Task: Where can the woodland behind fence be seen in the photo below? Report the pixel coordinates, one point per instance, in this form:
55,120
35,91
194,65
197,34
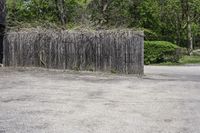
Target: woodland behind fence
117,51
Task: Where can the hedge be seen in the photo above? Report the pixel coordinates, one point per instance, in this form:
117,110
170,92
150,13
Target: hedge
160,51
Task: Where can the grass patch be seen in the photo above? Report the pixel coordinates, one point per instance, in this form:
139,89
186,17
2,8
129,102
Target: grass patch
190,60
113,71
168,64
183,61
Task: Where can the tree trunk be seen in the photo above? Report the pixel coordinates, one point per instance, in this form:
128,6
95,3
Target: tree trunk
2,26
186,14
189,32
103,9
2,12
61,11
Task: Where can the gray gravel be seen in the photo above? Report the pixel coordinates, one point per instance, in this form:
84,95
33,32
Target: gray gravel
165,100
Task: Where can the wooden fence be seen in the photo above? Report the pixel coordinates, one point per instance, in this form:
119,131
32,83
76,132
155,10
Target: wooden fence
117,51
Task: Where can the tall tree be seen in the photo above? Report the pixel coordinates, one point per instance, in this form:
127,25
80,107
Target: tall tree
185,4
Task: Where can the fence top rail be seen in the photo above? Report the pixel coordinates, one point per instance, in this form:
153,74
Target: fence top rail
82,31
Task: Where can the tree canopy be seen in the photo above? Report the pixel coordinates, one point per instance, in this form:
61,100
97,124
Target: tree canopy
177,21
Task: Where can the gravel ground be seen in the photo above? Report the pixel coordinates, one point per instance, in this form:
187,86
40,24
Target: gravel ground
165,100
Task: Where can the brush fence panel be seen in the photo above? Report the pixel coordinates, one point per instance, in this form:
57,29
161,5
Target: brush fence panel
116,51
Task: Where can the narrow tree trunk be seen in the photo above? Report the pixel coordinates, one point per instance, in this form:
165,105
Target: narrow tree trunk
61,11
186,14
189,32
2,26
103,9
2,11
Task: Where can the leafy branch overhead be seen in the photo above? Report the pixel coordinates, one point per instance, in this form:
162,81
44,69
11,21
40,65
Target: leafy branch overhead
177,21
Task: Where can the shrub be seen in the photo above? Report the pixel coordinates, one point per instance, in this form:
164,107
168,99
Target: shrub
160,51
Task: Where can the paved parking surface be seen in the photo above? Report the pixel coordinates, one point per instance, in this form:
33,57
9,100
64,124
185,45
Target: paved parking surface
165,100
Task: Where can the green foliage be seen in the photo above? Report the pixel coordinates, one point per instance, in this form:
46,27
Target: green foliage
194,59
113,71
111,13
150,35
190,60
39,12
160,51
160,19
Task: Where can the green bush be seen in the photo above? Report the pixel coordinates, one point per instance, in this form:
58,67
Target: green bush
160,51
